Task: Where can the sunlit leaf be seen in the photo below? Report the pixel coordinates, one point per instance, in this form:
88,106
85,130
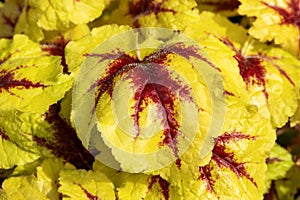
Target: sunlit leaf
41,15
85,185
43,185
274,20
30,81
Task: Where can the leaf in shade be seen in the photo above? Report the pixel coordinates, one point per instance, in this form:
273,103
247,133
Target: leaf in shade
157,13
218,5
279,162
43,185
9,15
44,15
85,185
29,80
274,20
64,142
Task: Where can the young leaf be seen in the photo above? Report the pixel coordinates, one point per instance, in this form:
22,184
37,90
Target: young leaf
274,20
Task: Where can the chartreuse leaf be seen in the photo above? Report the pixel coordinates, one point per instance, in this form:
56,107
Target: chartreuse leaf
279,162
295,120
232,162
270,76
142,101
30,81
41,15
16,145
76,50
81,185
42,185
274,19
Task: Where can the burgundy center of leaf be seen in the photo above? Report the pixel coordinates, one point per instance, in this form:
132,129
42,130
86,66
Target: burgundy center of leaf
224,158
251,68
146,7
164,185
152,80
57,48
8,81
206,176
289,15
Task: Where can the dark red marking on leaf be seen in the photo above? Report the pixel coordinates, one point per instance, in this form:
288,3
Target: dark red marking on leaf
87,193
281,71
3,60
206,176
289,15
4,136
223,5
228,93
146,7
272,160
178,163
164,185
8,81
57,48
223,158
251,68
66,143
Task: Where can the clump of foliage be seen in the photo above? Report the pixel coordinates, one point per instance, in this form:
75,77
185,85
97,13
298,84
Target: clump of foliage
253,44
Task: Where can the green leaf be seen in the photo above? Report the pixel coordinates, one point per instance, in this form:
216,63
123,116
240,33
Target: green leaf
274,19
85,185
289,186
279,162
30,81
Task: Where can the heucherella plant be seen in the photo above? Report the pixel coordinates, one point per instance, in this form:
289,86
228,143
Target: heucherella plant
149,99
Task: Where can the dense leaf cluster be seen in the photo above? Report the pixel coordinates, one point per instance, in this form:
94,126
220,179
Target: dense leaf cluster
253,44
